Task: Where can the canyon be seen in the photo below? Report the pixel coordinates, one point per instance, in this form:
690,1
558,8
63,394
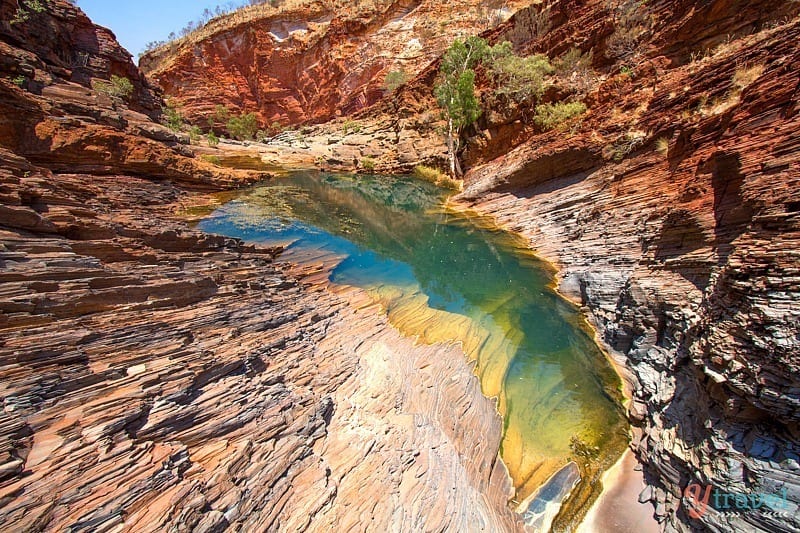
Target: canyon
155,376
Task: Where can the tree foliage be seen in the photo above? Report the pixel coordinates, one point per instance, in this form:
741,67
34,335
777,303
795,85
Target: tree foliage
243,127
455,90
521,78
117,87
171,117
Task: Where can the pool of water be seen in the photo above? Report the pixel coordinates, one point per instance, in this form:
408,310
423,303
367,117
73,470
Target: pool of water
448,277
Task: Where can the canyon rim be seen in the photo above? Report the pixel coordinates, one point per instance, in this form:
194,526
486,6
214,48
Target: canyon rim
155,376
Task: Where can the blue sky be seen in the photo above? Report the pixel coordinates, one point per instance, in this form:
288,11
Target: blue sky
136,23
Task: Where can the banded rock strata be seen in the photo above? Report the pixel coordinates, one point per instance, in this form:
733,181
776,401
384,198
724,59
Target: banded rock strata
154,378
685,259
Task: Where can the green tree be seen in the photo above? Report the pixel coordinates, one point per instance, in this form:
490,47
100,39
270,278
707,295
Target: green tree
455,91
171,117
118,87
243,127
521,78
213,140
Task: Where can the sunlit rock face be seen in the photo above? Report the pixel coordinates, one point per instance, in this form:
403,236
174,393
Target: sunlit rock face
153,377
309,62
683,250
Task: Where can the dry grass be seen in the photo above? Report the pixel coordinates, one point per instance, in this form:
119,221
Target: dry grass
662,145
437,177
746,75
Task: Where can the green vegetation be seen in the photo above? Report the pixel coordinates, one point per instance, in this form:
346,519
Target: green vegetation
212,139
395,79
171,117
243,127
549,116
368,163
19,81
194,134
520,78
25,8
455,91
350,126
117,87
213,159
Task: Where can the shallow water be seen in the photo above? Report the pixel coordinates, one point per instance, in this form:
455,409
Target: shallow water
444,276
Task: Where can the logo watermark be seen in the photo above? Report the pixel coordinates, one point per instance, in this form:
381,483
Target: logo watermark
699,497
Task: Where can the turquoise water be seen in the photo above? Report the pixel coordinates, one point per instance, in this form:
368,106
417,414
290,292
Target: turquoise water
448,277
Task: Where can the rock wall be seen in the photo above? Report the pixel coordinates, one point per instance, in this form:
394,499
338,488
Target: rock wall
312,61
155,378
672,210
53,112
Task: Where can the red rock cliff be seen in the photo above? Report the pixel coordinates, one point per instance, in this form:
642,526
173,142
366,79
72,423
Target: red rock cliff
672,208
308,63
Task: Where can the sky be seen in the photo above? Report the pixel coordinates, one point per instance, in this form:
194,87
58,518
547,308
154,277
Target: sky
136,23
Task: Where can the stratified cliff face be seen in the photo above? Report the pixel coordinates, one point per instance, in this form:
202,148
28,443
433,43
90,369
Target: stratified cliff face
312,61
155,378
673,211
52,113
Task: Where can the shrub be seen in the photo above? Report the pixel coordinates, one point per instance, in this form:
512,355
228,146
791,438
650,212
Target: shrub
549,116
222,113
243,127
368,163
395,79
19,81
117,87
521,78
194,134
212,138
25,8
437,177
350,125
171,117
213,159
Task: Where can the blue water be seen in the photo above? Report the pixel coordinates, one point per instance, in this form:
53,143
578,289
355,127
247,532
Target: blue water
445,277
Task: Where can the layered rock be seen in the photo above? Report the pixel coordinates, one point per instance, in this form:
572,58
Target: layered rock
312,61
153,377
55,111
158,378
672,211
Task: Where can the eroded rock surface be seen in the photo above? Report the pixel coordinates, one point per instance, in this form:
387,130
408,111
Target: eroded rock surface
311,61
156,378
686,257
153,377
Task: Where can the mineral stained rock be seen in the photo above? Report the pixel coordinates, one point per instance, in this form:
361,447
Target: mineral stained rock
155,378
672,210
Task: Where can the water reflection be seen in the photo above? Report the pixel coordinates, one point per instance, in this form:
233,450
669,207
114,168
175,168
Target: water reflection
443,277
